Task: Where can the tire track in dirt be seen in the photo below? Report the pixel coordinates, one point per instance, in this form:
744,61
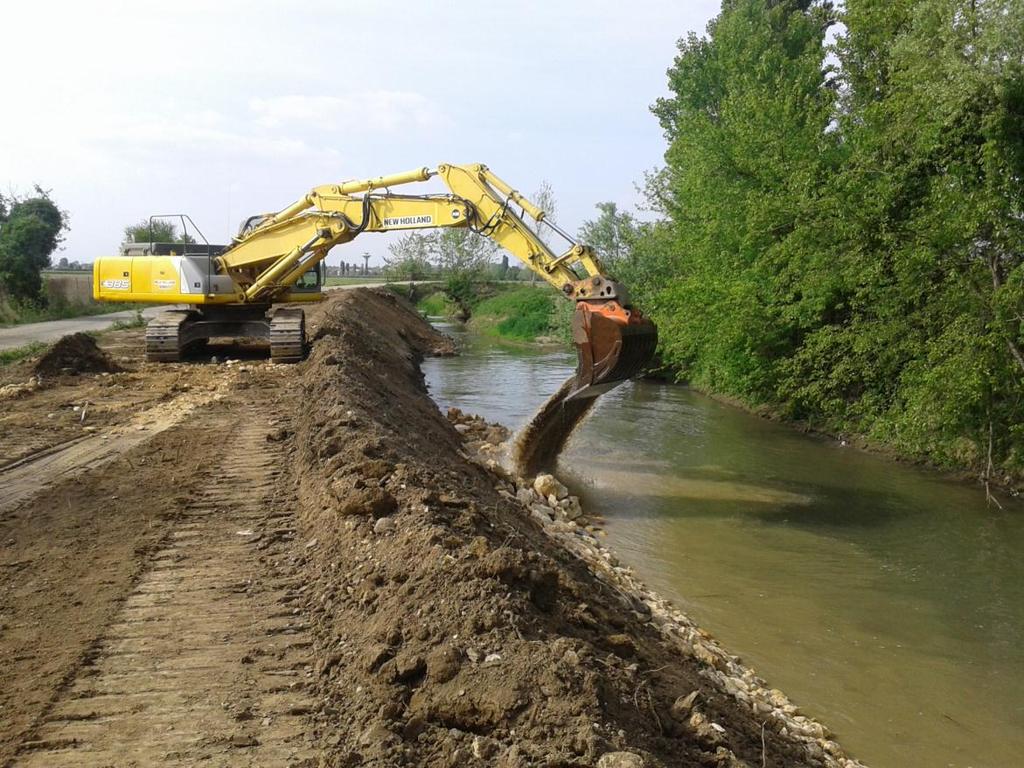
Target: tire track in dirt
26,477
208,658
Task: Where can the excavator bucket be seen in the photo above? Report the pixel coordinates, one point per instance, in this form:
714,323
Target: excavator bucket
612,345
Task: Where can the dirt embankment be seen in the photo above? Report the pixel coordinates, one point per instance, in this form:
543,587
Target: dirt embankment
450,628
302,565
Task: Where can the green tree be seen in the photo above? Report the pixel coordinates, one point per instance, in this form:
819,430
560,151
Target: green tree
613,235
749,151
159,231
544,198
847,243
460,250
463,258
410,257
460,256
939,164
30,230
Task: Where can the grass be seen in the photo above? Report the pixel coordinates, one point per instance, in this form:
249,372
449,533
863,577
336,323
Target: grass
513,311
19,313
137,321
434,305
416,293
14,354
521,313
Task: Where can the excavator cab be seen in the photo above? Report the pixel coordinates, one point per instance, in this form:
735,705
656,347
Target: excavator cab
311,281
612,343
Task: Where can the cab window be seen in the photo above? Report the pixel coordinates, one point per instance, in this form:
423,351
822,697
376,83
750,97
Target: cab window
310,280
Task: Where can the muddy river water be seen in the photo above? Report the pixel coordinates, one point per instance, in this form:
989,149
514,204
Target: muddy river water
884,600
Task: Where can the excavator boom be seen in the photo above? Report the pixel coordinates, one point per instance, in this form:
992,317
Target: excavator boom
273,252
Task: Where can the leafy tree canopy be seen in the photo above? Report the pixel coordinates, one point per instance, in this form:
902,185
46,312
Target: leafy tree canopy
843,232
612,235
159,231
31,228
462,257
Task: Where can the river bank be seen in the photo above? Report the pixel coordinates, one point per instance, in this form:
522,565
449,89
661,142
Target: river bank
520,313
533,315
467,630
333,580
1011,484
881,597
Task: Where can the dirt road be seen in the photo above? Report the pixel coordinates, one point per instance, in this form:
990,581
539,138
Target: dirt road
243,564
51,330
149,595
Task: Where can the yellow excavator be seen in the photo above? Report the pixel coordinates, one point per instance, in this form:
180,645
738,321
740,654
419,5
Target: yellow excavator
236,290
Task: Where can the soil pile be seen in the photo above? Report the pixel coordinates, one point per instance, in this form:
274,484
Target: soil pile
74,354
450,628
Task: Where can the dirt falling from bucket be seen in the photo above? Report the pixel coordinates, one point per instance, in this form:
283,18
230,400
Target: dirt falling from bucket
537,446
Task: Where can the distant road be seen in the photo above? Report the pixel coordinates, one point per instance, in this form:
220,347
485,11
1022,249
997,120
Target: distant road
51,330
354,285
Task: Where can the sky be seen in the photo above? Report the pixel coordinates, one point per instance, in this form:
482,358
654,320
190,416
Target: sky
226,109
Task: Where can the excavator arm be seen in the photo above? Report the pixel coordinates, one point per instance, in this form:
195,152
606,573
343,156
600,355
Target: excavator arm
231,289
613,340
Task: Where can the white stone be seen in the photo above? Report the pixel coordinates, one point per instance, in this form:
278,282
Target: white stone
526,496
483,747
571,508
620,760
541,509
547,485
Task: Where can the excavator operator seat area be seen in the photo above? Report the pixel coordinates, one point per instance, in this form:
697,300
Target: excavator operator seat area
311,281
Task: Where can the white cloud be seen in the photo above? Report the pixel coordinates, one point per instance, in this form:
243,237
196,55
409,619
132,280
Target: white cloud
158,137
381,110
254,101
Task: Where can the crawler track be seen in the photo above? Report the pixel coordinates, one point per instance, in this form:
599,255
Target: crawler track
163,336
208,658
288,336
170,333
